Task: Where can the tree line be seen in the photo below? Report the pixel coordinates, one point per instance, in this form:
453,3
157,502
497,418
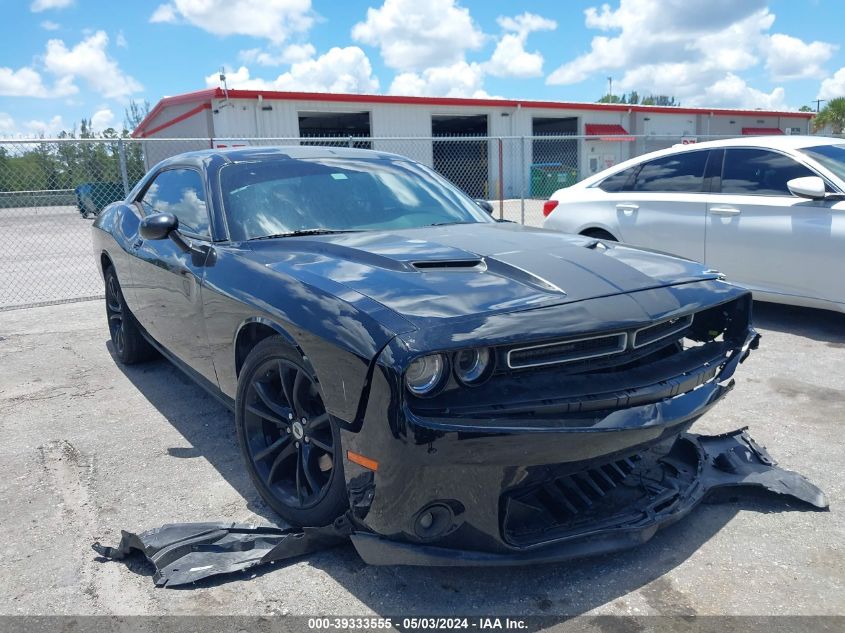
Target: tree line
47,166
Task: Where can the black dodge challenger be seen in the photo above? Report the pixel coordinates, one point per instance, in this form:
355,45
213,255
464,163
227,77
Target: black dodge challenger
460,389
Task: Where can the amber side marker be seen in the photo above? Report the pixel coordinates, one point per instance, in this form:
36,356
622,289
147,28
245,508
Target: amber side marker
366,462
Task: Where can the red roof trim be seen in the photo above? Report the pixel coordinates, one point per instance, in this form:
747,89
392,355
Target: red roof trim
507,103
217,93
185,115
761,131
189,97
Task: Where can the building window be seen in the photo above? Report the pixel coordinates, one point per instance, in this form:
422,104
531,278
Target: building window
335,125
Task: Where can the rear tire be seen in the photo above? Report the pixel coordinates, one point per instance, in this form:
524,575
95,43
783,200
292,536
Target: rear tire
130,346
599,234
290,444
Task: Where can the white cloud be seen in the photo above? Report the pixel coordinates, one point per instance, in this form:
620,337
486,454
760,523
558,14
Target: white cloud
461,79
510,59
43,5
692,46
734,91
345,70
164,13
49,25
834,86
413,35
274,20
89,60
288,55
102,119
26,82
45,128
792,58
121,41
7,124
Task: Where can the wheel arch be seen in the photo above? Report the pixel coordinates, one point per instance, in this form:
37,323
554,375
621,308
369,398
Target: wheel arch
105,262
252,331
595,229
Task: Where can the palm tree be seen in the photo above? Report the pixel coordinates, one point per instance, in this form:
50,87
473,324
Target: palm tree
833,114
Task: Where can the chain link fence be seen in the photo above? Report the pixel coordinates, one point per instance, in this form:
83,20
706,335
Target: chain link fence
50,190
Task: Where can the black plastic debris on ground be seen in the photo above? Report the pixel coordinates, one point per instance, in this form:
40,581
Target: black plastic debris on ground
184,553
695,466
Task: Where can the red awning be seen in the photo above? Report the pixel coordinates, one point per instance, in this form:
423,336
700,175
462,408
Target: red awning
607,132
761,131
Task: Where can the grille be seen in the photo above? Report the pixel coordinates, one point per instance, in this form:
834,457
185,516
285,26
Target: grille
664,329
569,501
567,351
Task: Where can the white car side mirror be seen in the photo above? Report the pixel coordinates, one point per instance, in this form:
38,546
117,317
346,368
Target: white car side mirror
811,187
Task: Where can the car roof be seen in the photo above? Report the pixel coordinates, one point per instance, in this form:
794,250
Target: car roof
265,152
779,141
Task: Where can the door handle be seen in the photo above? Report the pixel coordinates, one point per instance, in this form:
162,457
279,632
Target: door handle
627,209
724,211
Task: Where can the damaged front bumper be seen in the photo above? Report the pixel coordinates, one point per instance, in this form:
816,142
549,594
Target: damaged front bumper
613,505
659,489
521,488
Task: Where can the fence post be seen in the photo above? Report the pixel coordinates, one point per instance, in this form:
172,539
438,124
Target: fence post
501,181
522,179
121,154
351,144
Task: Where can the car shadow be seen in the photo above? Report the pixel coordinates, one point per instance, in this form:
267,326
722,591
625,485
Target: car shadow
556,591
207,425
820,325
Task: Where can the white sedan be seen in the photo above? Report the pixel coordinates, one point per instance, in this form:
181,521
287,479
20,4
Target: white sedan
769,212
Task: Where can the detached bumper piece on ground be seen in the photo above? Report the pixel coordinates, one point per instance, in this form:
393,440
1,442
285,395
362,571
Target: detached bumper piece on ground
607,507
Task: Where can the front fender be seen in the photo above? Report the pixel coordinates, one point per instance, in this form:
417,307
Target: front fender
339,332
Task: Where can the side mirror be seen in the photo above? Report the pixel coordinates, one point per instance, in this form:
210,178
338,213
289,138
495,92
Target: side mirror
158,226
484,204
811,187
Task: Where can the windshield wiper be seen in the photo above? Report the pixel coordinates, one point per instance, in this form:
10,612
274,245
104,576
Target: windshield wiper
304,232
449,223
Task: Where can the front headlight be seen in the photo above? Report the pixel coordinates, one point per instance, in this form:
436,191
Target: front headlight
472,365
425,374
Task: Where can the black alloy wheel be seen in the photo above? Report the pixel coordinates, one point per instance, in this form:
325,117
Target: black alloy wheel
130,346
114,312
291,444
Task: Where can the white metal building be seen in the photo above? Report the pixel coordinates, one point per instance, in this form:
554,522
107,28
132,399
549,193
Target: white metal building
614,132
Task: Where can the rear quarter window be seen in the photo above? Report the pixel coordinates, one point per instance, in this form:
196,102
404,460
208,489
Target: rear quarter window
620,181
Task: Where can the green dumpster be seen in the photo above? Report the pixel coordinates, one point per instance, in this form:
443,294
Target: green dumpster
92,197
546,178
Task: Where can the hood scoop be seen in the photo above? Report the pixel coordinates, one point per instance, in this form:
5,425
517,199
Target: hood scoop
438,265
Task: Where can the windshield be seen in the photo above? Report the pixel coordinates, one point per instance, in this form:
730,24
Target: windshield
278,197
830,156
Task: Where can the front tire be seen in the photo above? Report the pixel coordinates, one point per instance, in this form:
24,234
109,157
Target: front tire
129,344
291,445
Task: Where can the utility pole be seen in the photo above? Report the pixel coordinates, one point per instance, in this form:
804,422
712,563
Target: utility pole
818,102
610,86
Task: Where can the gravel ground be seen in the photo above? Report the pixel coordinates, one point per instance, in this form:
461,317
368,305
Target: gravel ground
90,448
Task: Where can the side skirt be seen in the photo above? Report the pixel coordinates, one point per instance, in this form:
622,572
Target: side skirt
202,381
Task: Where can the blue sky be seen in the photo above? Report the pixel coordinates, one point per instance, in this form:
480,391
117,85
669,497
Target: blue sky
67,59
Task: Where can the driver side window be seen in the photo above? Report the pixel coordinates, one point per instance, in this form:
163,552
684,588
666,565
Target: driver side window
180,192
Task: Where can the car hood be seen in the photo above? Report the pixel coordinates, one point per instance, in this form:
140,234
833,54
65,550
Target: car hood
469,269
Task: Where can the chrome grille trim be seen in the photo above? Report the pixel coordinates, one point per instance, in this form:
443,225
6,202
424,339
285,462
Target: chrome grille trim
683,323
621,345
